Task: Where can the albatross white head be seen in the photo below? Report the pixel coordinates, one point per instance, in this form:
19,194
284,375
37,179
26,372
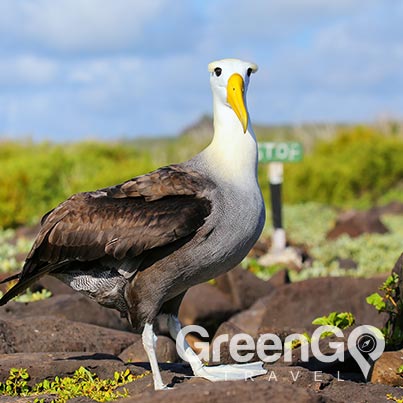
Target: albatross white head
229,82
233,151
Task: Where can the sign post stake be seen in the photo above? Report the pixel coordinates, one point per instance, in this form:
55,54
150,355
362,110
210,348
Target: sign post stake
275,154
275,173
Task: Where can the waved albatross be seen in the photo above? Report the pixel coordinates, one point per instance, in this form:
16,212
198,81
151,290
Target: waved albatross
138,246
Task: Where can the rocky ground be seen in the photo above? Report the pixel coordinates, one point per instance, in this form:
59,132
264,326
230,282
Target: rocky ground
55,336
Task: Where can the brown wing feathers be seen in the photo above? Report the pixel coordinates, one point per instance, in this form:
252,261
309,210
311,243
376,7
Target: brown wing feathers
147,212
168,181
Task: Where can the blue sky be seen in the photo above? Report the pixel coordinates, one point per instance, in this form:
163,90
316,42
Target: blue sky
75,69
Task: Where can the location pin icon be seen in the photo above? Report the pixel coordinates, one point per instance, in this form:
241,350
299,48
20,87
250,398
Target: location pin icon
366,344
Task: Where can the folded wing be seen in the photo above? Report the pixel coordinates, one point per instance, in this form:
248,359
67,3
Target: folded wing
157,212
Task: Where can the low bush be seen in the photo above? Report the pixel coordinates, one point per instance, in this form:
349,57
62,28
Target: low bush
356,168
36,177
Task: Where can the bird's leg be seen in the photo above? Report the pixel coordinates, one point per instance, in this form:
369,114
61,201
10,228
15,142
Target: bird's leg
213,373
149,342
175,327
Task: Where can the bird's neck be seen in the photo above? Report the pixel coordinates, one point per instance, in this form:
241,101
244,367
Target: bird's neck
232,154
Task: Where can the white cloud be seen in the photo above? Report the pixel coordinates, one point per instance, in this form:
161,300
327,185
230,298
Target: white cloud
78,24
27,70
262,21
103,70
76,27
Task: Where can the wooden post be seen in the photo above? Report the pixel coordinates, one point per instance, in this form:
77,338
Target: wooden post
275,174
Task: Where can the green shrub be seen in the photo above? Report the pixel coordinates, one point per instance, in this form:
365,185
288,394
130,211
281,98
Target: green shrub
342,320
82,383
388,300
357,167
36,177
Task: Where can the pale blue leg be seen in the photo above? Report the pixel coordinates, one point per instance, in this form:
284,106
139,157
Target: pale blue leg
214,373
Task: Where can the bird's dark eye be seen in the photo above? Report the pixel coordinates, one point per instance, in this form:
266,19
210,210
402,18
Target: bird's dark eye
218,71
249,71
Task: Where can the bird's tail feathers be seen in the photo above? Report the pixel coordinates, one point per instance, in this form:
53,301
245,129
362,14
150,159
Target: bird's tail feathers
26,281
11,278
18,288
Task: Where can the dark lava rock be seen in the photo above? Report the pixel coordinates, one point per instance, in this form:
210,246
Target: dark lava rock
166,351
249,321
74,307
210,305
52,284
353,392
385,369
296,305
292,308
355,223
41,398
208,392
344,366
222,353
280,278
396,321
51,334
207,306
393,207
398,269
243,287
347,263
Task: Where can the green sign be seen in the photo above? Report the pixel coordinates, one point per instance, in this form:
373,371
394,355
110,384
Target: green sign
280,152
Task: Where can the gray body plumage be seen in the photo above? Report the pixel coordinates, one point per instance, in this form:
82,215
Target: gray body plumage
233,226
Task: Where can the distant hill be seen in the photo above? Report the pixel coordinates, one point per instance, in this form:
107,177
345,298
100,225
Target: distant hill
201,131
201,128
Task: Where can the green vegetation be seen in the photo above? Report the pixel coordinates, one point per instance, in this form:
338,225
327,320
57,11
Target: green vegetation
373,253
36,177
342,320
307,224
353,167
394,398
82,383
356,168
388,300
263,272
30,296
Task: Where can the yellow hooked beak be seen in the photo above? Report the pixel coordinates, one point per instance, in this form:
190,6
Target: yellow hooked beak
235,91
